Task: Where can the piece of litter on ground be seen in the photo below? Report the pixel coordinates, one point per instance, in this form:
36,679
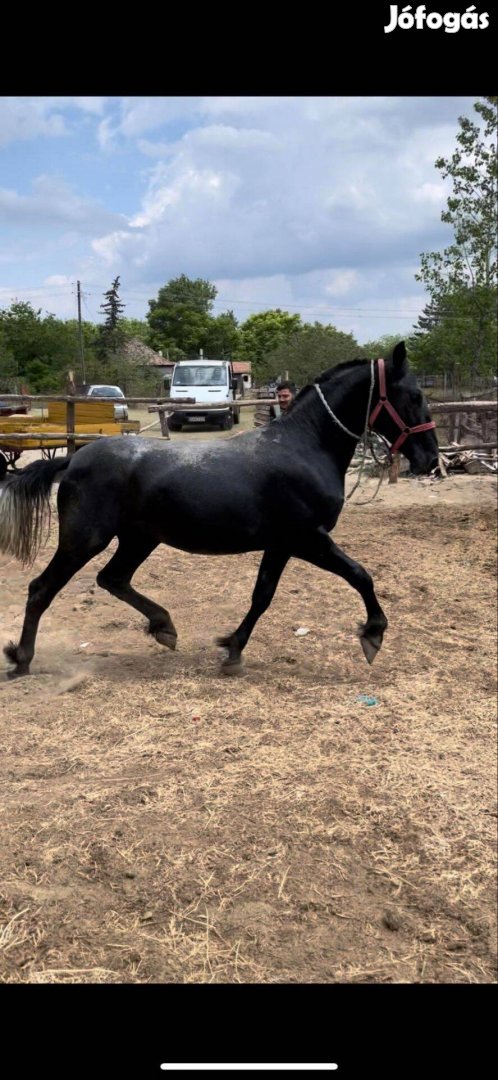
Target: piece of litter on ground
367,699
84,644
301,631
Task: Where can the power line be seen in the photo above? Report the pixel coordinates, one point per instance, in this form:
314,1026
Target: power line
323,312
34,288
219,302
281,305
92,315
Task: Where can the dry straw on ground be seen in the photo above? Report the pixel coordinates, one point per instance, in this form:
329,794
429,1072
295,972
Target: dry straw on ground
162,823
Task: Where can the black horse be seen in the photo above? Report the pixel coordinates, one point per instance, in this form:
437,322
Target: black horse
278,489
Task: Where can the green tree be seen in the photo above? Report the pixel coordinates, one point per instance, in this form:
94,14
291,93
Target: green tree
180,317
8,365
462,279
39,376
110,335
223,337
135,328
261,334
382,346
311,349
447,339
40,350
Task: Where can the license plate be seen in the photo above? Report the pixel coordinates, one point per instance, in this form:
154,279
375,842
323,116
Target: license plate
197,419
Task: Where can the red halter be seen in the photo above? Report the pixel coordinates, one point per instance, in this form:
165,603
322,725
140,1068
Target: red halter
383,403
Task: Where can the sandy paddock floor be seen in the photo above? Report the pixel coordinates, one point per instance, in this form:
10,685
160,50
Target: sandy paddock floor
163,823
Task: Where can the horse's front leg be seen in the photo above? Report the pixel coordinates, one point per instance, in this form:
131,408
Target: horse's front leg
321,551
269,574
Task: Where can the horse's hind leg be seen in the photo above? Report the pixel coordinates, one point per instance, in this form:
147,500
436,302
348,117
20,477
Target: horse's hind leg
270,572
133,549
41,592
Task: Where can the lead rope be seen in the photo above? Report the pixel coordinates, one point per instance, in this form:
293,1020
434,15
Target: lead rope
384,468
364,437
365,432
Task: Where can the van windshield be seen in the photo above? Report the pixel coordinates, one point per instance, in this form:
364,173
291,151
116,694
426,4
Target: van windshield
201,375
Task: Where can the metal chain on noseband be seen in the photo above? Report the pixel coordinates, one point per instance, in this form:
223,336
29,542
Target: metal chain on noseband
353,436
336,418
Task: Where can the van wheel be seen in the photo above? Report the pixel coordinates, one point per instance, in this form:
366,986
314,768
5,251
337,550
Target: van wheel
236,417
227,424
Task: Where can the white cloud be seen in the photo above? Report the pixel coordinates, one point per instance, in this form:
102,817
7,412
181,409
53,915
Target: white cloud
22,119
110,248
93,105
321,204
106,133
57,279
430,193
342,282
139,115
53,201
286,196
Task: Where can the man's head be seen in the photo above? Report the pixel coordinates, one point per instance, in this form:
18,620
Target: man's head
286,392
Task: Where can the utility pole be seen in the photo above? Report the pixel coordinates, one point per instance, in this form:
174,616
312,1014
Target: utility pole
80,332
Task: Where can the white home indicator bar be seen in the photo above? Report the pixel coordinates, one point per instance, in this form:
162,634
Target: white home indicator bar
273,1067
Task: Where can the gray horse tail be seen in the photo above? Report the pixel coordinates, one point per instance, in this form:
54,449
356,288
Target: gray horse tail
25,508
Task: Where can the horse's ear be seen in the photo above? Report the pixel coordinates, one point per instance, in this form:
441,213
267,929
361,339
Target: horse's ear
400,362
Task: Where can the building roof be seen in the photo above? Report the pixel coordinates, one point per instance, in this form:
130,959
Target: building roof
140,353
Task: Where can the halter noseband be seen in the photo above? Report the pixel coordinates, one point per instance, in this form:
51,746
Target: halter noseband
384,403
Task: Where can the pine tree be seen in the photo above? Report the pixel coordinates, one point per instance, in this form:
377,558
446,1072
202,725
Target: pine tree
111,336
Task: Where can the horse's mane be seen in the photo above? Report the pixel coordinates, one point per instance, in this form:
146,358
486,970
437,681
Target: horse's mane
346,364
329,373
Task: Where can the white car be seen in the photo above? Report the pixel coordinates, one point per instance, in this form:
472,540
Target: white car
120,411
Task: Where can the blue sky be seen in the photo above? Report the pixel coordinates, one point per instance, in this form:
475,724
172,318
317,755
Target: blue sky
318,205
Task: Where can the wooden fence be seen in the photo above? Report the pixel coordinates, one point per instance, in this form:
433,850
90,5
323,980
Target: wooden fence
463,416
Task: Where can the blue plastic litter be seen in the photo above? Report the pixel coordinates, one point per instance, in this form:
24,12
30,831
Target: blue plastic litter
367,699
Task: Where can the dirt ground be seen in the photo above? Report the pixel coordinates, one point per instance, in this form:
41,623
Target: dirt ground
164,823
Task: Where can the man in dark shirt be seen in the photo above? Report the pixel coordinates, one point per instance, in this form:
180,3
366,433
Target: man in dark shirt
286,392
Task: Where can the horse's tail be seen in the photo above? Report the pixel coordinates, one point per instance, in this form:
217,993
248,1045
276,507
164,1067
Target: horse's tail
25,508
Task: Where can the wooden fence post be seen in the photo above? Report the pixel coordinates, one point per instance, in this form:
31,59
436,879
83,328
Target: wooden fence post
70,411
394,469
164,424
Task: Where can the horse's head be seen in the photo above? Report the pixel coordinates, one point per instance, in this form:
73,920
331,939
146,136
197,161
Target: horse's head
402,415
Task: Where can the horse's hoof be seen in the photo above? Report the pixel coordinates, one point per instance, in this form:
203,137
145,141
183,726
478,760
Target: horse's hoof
232,667
165,637
17,672
370,647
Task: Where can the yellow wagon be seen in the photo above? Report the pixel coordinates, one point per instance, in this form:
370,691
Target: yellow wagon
92,420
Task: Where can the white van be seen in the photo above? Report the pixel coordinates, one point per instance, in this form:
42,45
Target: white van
207,382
